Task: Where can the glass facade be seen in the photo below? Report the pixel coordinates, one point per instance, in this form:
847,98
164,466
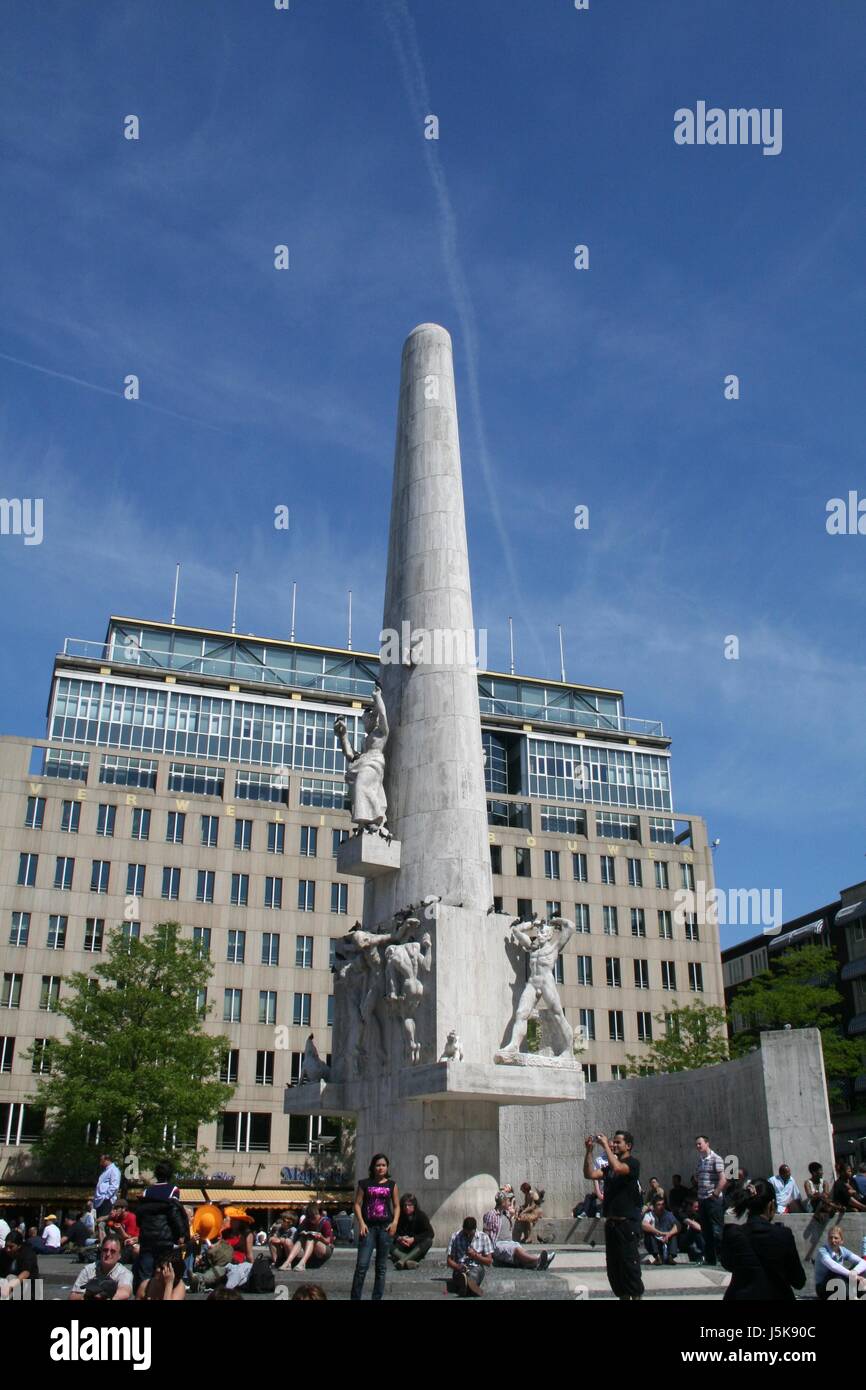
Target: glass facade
610,776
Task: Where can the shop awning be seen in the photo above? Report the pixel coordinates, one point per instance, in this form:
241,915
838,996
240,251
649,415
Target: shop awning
854,968
848,914
276,1196
798,934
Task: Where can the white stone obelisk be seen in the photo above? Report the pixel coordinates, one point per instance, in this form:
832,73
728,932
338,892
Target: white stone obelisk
437,1120
434,762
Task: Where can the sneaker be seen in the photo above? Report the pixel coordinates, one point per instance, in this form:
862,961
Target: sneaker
459,1281
550,1256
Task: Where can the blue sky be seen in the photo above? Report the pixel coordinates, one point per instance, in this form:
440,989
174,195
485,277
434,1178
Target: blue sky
603,387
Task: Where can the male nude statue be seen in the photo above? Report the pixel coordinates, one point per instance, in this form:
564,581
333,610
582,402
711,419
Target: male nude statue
544,946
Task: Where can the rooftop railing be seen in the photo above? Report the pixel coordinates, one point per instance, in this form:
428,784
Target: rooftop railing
232,668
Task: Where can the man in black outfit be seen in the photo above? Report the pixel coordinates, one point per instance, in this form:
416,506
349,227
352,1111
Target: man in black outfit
620,1209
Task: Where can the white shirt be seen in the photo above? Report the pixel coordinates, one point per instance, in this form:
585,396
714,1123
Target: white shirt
119,1273
4,1230
786,1192
51,1235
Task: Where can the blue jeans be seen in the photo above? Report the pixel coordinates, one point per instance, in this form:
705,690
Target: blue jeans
378,1239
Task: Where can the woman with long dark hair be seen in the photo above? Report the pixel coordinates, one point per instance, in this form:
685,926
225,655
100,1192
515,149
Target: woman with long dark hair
377,1209
762,1258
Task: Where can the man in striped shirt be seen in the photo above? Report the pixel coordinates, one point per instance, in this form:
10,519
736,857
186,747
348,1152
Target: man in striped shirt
711,1184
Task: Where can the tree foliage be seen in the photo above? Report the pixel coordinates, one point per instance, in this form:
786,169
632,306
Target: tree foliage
799,990
136,1059
690,1036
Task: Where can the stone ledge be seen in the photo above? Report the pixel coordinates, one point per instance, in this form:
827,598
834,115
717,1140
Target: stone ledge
501,1085
368,856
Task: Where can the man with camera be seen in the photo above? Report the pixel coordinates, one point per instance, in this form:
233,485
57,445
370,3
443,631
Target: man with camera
621,1203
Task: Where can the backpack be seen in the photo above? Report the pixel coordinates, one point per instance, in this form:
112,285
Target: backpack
261,1277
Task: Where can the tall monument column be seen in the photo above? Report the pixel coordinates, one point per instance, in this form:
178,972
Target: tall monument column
435,769
426,1047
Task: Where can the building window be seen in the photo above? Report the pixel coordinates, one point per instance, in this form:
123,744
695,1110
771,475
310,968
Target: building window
171,884
581,918
244,1132
337,838
301,1010
304,952
553,909
27,864
20,1123
240,890
210,831
94,931
70,816
267,1006
669,974
243,834
128,772
19,932
590,1072
105,818
496,859
306,895
99,876
35,814
201,1003
174,827
661,871
524,909
10,996
340,897
563,820
232,999
276,837
610,826
559,971
264,1068
641,974
610,921
644,1027
130,931
551,863
309,841
135,880
615,1025
56,933
40,1063
140,823
638,922
236,947
64,869
523,863
229,1066
204,887
618,1072
696,975
201,941
687,876
635,876
584,970
187,778
586,1018
273,892
578,868
661,830
297,1066
691,925
270,948
666,926
614,975
608,869
49,993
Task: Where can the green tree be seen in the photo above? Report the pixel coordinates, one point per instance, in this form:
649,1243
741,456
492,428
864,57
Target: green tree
136,1059
799,990
690,1036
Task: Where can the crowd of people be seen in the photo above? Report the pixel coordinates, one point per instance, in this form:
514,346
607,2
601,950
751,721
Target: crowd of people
154,1248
